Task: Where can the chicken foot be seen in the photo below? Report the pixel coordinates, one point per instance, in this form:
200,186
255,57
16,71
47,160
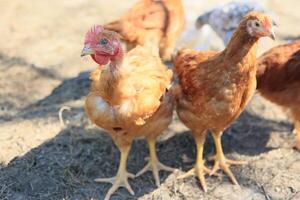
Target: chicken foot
199,169
154,164
221,162
121,179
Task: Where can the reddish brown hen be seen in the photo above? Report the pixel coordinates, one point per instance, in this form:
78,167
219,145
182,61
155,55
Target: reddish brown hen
216,87
128,98
278,80
156,21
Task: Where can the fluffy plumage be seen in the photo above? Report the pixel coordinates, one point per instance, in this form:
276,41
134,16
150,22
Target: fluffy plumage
133,91
129,98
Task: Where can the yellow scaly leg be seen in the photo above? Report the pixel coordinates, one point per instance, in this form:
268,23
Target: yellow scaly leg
154,165
221,162
199,169
121,179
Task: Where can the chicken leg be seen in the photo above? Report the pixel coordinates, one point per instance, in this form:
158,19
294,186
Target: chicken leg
121,179
154,165
221,162
297,132
199,170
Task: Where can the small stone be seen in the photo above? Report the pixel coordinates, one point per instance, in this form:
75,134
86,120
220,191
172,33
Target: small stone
186,159
293,190
277,189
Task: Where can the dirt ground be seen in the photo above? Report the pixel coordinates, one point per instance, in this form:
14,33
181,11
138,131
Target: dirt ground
41,71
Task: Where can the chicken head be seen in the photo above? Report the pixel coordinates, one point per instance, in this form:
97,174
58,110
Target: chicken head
102,45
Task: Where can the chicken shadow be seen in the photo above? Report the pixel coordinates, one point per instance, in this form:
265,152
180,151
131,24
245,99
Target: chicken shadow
7,62
7,105
69,90
250,134
65,166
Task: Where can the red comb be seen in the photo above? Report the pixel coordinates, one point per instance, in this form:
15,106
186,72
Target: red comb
95,30
266,23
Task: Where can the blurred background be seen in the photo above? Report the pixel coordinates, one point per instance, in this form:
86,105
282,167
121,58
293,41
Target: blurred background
51,33
41,70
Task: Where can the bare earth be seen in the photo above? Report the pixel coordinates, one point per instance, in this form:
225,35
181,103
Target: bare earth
41,71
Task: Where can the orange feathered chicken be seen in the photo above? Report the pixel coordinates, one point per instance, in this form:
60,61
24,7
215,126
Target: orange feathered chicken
129,98
156,21
216,87
278,80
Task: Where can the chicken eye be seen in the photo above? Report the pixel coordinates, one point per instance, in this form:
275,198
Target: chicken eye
104,41
257,24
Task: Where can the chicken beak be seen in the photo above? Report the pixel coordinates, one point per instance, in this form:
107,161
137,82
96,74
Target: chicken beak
272,34
87,51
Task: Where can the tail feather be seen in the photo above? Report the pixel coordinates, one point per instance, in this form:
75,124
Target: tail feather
202,20
178,59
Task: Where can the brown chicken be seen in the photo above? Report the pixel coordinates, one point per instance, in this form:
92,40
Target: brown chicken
157,21
278,80
214,89
129,98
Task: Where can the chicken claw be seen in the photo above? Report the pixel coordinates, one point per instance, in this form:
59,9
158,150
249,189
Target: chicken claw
121,179
154,164
221,162
199,170
117,181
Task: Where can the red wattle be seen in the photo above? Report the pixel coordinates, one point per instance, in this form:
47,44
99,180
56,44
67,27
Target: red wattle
100,59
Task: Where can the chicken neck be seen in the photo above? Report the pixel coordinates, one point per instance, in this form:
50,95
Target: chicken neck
117,60
240,46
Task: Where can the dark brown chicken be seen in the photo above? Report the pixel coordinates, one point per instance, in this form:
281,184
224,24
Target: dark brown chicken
156,21
278,80
216,87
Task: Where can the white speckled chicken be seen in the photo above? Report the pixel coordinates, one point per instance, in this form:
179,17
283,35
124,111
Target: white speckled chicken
224,19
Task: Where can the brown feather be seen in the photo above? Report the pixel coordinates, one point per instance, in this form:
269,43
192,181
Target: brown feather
151,21
132,98
216,87
279,67
278,77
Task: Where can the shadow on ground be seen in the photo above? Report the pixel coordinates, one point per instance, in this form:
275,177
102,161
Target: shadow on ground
23,83
250,134
69,90
8,62
65,166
